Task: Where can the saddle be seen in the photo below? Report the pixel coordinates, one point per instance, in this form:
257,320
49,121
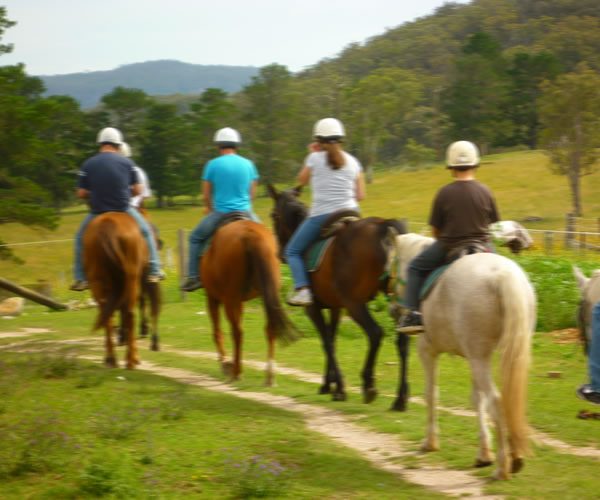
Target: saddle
226,219
331,226
468,248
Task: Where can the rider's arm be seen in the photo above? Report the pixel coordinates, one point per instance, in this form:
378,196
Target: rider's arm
207,195
435,231
253,188
84,194
304,176
136,189
361,191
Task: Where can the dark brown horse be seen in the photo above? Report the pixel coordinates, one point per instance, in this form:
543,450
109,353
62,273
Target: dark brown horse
351,273
240,264
115,258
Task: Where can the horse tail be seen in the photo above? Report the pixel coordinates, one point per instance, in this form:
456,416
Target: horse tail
518,306
115,271
265,266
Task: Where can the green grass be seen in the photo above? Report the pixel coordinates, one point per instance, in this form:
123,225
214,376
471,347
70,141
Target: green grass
189,445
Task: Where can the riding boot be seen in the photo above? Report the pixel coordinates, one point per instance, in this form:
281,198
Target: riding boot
194,282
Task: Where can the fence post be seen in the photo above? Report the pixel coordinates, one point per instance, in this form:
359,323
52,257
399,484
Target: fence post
548,242
570,230
182,261
582,244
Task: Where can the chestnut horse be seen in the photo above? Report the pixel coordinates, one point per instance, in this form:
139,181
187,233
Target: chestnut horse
115,257
352,271
240,264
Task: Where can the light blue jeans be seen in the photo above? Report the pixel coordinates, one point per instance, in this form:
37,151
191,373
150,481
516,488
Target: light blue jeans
153,264
303,237
201,233
594,352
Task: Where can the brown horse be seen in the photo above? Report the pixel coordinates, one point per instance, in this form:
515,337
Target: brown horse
351,273
240,264
115,257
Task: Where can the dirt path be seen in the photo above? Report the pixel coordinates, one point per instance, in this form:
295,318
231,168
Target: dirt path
382,450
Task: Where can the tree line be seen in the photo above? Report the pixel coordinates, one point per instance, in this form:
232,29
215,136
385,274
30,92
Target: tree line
395,111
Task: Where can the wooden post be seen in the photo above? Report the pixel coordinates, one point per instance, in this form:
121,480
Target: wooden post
548,242
182,261
570,230
31,295
582,244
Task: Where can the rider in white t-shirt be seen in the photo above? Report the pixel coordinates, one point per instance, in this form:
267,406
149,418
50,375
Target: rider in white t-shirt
337,183
137,201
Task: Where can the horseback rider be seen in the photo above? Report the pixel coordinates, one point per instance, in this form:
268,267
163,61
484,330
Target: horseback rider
461,214
591,392
337,183
229,184
108,180
138,200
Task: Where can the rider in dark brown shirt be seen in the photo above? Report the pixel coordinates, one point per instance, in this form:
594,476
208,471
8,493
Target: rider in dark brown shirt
461,214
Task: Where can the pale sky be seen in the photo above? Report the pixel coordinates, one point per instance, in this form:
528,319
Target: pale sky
68,36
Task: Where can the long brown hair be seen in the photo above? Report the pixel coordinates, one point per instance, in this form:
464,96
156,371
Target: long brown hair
335,153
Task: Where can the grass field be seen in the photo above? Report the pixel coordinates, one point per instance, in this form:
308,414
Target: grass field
180,449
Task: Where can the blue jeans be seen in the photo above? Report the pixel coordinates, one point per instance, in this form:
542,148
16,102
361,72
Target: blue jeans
307,233
418,270
201,233
153,264
594,352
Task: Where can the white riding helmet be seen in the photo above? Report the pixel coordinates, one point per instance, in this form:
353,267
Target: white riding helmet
125,150
109,135
228,137
329,128
462,155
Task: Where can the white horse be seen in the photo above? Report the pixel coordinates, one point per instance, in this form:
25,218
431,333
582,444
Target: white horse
511,234
481,302
590,294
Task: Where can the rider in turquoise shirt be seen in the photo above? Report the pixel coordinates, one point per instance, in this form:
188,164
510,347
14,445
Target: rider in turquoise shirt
228,184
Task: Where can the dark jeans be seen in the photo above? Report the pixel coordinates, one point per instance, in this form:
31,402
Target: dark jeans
419,268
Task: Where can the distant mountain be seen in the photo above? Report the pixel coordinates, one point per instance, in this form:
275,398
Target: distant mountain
153,77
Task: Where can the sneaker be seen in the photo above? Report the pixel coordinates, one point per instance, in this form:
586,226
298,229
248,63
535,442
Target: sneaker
155,278
302,297
588,394
411,322
79,285
192,284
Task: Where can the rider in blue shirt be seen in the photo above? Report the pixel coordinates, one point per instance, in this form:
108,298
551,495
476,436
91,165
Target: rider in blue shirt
108,180
228,185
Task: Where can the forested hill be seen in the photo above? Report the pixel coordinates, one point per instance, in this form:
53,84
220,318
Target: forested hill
569,29
153,77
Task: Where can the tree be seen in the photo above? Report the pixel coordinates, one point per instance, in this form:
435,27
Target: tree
375,103
476,99
268,111
526,73
128,107
570,116
162,136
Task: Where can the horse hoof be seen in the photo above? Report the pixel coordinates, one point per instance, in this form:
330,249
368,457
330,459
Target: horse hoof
482,463
112,362
369,395
399,405
227,368
517,465
154,347
324,389
429,447
338,396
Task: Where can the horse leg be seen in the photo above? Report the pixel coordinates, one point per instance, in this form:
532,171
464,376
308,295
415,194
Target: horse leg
429,361
109,347
233,310
327,333
480,401
360,314
482,378
402,346
154,296
142,309
128,319
215,319
269,381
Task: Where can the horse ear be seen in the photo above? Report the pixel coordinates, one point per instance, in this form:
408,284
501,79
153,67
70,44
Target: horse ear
298,191
272,191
